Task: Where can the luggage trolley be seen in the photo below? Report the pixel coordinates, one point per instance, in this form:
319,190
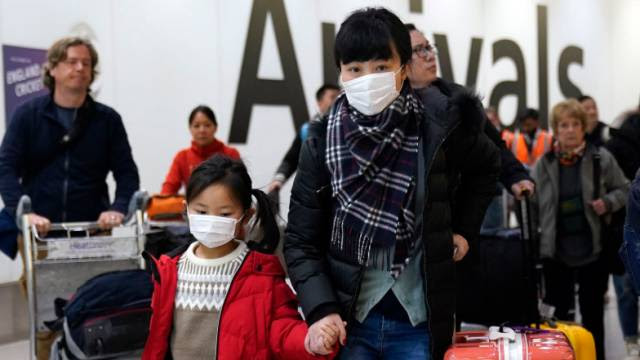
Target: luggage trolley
57,265
165,225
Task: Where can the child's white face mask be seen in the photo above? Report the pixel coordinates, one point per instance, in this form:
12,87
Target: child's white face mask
212,231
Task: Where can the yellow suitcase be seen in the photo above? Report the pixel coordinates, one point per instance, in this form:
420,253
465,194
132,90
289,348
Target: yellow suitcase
580,338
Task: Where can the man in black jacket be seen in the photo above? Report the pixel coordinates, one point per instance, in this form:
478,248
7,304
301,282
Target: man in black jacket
624,145
597,132
325,96
59,148
341,256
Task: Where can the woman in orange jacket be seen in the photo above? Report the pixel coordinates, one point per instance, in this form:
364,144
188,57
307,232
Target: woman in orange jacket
203,127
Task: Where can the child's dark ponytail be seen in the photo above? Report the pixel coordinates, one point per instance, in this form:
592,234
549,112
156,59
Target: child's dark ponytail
267,219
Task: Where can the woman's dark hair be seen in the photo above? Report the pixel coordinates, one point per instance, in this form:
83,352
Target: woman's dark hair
370,34
220,169
206,111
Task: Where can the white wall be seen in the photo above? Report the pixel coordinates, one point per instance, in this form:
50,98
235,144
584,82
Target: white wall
161,58
624,48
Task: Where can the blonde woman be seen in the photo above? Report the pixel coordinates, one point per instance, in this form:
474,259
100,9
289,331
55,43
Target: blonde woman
572,208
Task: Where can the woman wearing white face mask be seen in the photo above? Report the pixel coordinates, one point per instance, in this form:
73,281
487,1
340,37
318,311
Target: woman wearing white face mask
220,297
371,238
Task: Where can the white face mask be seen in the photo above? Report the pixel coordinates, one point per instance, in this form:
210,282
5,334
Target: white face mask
372,93
212,231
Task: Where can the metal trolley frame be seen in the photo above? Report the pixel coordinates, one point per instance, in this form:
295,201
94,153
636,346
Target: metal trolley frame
57,266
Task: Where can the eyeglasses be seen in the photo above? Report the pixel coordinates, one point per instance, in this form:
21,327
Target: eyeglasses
424,51
74,62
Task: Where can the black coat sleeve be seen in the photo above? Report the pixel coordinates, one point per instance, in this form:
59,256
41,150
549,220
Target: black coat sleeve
125,171
289,163
625,145
479,165
12,159
511,170
306,238
475,159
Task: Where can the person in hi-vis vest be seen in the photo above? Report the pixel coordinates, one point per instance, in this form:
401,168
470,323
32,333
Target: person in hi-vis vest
529,142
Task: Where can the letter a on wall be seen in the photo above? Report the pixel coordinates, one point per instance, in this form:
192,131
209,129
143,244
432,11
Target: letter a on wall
251,89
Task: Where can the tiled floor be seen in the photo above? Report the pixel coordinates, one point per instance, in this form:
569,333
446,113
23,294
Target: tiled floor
13,330
15,350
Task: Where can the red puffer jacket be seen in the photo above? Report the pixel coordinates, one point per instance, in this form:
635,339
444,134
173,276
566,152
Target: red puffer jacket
259,318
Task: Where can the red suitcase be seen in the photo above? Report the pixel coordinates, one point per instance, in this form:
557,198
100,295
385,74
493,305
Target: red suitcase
508,344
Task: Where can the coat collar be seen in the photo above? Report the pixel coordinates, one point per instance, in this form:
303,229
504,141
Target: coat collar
255,263
207,150
49,110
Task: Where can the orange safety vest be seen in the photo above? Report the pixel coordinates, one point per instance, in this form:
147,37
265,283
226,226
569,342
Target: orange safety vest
541,144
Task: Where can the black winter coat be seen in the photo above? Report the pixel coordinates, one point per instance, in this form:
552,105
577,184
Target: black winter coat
625,145
511,170
461,170
66,182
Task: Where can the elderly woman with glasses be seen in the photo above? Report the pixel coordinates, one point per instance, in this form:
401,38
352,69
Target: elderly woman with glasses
579,185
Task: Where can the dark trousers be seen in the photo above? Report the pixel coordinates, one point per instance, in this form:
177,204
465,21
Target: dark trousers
592,280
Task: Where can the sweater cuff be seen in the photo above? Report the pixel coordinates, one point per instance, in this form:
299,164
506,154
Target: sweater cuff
280,177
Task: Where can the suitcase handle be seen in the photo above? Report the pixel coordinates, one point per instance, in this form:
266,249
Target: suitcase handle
530,256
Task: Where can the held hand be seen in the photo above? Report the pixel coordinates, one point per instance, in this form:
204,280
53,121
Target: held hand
109,219
324,333
522,186
599,207
460,247
42,224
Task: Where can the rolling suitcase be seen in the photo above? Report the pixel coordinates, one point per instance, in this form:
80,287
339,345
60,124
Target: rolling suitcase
494,273
522,312
490,278
509,344
580,338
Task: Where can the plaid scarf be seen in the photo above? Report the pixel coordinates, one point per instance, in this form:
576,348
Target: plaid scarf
568,158
373,163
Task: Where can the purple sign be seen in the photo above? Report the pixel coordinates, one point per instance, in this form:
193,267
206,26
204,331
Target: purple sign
22,69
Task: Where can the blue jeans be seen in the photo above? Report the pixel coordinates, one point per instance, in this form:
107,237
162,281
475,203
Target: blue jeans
388,338
627,298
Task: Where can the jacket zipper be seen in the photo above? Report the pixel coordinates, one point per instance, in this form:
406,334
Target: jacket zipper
65,186
424,247
224,300
355,297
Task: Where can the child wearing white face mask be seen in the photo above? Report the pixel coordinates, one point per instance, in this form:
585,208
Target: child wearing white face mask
222,297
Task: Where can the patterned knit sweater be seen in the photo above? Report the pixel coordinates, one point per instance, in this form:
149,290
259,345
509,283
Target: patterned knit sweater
202,287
